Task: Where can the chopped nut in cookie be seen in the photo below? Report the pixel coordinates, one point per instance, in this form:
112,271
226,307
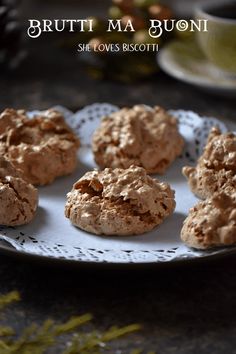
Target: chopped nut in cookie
43,147
139,136
119,202
18,199
216,168
211,223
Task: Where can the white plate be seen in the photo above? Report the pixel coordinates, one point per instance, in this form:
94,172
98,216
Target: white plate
184,61
51,235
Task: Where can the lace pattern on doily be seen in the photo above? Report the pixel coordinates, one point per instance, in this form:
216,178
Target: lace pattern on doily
195,130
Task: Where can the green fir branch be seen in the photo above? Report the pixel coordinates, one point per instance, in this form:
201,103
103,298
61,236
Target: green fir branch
37,339
8,299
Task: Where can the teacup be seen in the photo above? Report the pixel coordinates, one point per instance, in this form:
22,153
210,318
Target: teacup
219,42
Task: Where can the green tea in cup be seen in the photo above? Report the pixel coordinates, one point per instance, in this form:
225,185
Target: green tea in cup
219,41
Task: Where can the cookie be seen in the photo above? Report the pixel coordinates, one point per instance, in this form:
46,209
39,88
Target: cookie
139,136
18,199
119,202
211,223
43,147
7,169
216,168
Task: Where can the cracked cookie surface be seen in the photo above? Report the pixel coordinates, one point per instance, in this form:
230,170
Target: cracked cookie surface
119,202
139,136
211,223
18,199
43,147
216,168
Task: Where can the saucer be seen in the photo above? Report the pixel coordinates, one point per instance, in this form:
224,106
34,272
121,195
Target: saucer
184,61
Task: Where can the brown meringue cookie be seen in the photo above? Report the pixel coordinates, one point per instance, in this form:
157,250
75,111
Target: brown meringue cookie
216,168
18,199
119,202
211,223
7,168
141,136
43,147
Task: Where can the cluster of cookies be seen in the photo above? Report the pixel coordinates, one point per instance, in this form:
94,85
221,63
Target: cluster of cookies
122,198
212,222
33,152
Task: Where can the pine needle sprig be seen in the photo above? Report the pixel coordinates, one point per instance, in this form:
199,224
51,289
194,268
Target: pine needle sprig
8,299
94,342
37,339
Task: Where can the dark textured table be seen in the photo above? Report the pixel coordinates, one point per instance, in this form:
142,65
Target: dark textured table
185,309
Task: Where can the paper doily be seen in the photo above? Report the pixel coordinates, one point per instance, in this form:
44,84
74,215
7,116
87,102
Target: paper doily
51,234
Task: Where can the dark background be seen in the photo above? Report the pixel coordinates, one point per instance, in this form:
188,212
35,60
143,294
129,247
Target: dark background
188,309
183,309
